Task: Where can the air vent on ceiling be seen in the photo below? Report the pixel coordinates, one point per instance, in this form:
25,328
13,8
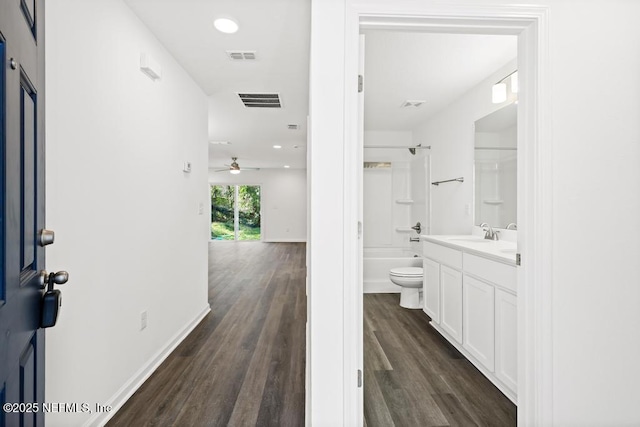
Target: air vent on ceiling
292,127
377,165
260,100
412,103
241,55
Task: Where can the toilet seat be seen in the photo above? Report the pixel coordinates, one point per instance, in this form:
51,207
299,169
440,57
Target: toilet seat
406,272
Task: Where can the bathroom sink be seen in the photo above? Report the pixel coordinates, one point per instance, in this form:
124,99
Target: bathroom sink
508,250
470,240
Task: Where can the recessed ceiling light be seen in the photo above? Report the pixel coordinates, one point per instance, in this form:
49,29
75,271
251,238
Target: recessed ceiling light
287,166
226,25
277,147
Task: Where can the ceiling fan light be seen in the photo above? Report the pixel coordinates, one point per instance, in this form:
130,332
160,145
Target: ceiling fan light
234,171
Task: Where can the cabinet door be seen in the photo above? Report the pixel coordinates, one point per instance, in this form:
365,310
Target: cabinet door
507,339
451,306
431,289
478,326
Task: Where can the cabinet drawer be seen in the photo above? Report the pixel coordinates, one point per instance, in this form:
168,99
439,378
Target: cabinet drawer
492,271
443,255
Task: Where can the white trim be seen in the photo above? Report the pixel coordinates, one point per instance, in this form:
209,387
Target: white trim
285,241
535,176
535,392
126,391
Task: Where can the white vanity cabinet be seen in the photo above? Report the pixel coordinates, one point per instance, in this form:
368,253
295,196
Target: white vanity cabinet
442,288
471,299
507,339
479,326
451,290
431,289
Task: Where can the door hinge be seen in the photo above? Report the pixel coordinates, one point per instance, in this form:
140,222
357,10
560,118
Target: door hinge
359,229
360,83
359,378
518,259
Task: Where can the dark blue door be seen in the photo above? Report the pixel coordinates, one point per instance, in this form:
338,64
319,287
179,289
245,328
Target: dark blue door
22,214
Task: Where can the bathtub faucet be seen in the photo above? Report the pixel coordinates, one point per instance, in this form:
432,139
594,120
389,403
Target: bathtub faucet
417,227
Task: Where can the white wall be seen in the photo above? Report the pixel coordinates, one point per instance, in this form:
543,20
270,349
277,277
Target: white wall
125,214
284,200
593,70
451,136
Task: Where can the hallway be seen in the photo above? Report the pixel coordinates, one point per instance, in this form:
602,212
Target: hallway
244,364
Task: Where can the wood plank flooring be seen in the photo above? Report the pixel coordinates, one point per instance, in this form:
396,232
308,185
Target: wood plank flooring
244,364
414,377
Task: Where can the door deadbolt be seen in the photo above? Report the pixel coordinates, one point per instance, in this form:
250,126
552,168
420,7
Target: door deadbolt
46,237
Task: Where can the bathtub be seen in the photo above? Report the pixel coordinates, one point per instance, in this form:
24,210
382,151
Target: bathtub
376,264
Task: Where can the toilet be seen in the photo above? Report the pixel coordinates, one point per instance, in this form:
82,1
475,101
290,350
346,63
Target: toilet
410,280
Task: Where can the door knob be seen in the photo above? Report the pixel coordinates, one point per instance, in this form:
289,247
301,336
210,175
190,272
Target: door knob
46,237
59,278
52,298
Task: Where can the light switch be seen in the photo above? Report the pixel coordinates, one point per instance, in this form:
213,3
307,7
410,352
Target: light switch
200,208
186,167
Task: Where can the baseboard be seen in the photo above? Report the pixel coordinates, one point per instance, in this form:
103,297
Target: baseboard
285,240
130,387
380,287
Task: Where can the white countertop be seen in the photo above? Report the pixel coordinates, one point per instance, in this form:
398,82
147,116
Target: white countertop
498,250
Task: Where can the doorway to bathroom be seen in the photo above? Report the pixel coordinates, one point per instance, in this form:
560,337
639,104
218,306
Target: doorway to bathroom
534,184
235,212
418,179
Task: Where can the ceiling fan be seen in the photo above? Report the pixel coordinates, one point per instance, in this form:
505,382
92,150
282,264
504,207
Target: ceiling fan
234,167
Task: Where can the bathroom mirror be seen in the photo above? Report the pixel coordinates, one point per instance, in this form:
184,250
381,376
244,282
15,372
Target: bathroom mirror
495,168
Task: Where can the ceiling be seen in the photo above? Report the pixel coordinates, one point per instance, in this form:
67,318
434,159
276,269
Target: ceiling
435,68
278,31
400,66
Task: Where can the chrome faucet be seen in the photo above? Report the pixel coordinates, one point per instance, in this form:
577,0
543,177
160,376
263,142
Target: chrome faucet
417,227
512,226
489,232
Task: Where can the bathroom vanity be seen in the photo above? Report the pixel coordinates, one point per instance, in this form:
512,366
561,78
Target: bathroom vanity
470,293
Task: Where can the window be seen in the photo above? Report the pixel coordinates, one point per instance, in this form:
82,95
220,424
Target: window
235,212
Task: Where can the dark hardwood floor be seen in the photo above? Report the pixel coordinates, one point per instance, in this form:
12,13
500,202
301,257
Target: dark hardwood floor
244,364
414,377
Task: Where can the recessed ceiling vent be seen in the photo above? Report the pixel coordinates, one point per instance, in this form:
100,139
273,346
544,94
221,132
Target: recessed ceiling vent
412,103
377,165
260,100
292,127
241,55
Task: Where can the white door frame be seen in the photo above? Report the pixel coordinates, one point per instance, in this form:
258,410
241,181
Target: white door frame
529,23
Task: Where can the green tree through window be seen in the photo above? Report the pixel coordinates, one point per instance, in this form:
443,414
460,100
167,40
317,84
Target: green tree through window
223,200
